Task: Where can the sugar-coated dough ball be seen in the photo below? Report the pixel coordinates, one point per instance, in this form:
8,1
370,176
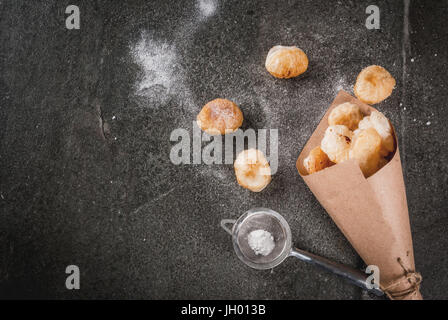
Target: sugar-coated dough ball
347,114
381,124
286,62
366,150
220,116
252,170
374,84
336,143
316,160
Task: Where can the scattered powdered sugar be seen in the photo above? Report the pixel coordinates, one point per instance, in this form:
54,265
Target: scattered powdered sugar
261,242
207,7
158,61
218,173
341,84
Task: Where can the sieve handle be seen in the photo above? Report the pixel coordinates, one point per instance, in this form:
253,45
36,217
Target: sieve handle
352,275
225,222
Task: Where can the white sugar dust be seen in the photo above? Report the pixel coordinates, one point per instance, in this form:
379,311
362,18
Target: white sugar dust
207,7
261,242
158,60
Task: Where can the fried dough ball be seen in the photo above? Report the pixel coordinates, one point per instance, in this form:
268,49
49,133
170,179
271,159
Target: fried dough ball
347,114
286,62
374,84
366,149
220,116
336,143
382,163
252,170
316,160
381,124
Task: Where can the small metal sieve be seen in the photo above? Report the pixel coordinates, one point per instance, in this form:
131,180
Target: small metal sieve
276,225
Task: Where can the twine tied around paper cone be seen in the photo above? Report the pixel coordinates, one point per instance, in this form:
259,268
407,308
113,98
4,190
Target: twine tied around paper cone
410,279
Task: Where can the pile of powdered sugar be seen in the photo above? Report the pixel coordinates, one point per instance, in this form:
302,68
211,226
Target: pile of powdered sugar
261,242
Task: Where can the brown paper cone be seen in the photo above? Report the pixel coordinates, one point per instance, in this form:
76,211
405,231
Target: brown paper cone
372,213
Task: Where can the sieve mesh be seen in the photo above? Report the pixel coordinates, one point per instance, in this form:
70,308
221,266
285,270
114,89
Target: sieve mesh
265,222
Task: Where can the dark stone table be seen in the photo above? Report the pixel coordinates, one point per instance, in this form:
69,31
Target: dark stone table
85,123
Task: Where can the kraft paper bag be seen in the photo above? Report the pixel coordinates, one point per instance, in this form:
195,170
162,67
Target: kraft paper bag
372,213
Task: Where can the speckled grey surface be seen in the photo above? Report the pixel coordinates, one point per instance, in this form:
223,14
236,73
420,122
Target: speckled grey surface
85,175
